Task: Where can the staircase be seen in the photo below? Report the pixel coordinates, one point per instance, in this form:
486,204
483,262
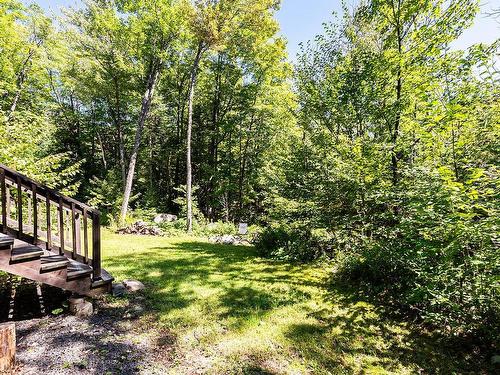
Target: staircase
50,238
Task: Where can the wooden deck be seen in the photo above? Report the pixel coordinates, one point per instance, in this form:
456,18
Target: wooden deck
49,238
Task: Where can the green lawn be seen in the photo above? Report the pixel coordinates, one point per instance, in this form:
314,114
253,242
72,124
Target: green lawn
225,310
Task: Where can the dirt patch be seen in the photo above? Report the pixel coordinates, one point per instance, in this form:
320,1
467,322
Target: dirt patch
106,343
120,338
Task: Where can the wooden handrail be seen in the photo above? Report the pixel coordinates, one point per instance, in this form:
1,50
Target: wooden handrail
32,231
44,190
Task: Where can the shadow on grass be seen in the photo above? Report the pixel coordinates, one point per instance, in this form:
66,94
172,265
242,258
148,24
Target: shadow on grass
364,329
350,335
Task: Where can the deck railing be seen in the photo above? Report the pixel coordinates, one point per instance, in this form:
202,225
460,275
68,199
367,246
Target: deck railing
39,215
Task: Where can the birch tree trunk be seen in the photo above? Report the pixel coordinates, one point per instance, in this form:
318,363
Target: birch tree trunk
153,77
189,177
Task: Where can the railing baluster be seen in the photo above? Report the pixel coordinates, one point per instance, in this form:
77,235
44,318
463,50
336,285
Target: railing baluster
85,236
19,207
96,245
78,226
73,230
61,226
35,214
7,199
49,223
30,216
4,200
67,228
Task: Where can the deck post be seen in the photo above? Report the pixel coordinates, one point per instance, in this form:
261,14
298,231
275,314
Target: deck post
61,226
35,214
19,207
85,237
48,222
96,245
73,231
4,200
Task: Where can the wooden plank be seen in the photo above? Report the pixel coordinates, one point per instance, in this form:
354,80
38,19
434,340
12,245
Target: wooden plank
73,230
61,226
7,199
49,223
30,215
96,246
35,214
78,230
85,236
4,200
19,207
7,347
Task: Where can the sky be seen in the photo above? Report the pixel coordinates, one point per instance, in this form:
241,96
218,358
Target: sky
302,20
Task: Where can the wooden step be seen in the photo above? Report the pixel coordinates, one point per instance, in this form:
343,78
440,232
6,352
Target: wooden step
53,262
77,270
105,279
5,241
22,253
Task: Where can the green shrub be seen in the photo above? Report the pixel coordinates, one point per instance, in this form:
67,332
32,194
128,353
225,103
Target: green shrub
218,228
294,243
439,261
178,227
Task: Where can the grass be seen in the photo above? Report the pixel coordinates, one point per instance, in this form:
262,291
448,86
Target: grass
224,310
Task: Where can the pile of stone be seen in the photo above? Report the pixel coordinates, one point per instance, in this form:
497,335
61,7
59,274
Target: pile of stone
142,228
229,239
164,218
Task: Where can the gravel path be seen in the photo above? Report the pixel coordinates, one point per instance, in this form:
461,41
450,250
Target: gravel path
110,342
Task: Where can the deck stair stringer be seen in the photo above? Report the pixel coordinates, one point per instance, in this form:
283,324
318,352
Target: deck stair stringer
68,274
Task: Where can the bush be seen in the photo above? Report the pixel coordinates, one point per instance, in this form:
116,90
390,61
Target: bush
294,243
439,261
218,228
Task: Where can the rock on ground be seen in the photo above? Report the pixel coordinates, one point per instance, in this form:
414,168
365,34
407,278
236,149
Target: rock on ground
118,289
229,239
133,285
142,228
164,218
81,308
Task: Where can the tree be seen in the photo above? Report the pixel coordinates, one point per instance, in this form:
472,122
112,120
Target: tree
218,25
158,21
387,172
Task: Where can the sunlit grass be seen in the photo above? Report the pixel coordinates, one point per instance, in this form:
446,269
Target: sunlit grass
230,311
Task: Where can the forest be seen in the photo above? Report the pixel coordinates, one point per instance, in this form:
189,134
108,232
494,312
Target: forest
375,153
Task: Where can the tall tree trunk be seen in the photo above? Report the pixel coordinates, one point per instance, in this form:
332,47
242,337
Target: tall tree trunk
153,77
399,85
179,153
213,145
189,177
243,166
121,145
21,78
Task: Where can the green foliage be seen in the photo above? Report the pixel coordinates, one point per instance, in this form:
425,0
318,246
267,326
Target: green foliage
200,229
293,242
28,134
220,228
397,157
